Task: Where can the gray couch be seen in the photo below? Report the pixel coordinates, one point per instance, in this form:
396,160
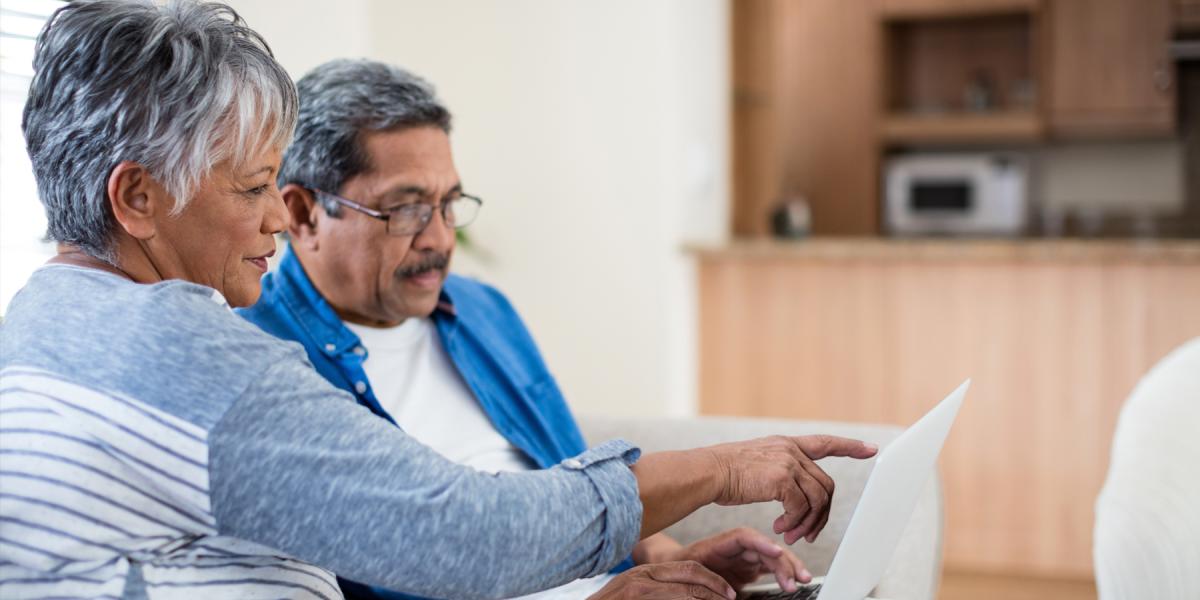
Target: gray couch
916,567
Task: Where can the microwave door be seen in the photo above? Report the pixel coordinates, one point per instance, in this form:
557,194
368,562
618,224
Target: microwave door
941,197
942,205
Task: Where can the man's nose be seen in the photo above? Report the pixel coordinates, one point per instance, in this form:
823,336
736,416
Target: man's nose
436,235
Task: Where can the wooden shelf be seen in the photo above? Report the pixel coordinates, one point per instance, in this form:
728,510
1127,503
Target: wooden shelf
938,9
1024,126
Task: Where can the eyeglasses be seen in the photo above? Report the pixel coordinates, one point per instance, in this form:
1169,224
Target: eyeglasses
414,217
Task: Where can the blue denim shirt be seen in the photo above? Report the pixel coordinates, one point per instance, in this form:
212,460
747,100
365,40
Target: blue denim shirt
484,337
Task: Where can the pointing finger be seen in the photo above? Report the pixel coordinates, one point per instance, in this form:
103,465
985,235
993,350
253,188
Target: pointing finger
820,446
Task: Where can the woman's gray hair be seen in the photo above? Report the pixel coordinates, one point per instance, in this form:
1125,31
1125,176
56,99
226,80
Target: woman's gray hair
176,88
339,101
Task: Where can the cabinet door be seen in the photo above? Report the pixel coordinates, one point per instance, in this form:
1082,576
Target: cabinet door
806,106
757,105
1111,73
1187,14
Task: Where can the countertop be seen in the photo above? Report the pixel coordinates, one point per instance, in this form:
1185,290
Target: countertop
1029,249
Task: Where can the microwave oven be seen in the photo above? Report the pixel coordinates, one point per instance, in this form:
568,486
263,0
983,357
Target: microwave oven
956,194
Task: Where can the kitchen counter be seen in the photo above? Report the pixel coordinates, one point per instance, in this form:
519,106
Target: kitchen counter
1054,334
941,249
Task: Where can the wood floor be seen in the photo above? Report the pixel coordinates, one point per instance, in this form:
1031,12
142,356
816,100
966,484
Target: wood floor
973,586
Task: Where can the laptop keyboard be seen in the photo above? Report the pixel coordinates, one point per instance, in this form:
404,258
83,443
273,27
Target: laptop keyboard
806,592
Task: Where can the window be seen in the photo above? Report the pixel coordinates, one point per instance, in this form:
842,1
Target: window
22,220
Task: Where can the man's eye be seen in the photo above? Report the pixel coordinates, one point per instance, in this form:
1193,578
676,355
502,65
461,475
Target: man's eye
408,210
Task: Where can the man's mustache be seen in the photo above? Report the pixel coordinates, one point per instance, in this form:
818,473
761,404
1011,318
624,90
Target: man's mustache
429,262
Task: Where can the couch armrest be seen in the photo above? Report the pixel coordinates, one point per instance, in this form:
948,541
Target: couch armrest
915,569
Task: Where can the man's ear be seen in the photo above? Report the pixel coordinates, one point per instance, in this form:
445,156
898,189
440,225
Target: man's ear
136,198
305,212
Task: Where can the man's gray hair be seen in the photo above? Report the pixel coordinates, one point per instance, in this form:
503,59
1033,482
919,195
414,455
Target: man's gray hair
176,88
339,101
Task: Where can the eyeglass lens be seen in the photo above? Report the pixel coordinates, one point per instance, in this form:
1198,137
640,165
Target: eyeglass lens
412,218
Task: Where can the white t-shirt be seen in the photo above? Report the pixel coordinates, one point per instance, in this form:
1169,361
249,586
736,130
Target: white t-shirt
415,382
418,385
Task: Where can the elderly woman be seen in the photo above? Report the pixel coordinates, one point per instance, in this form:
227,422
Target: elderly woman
155,445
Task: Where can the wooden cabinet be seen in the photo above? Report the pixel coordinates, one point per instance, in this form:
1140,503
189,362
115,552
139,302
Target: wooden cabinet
961,73
1187,15
1110,72
757,105
823,87
806,112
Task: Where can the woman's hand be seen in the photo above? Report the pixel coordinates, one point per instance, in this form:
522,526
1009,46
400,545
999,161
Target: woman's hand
673,484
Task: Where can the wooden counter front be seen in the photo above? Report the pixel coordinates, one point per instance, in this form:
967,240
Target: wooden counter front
1054,335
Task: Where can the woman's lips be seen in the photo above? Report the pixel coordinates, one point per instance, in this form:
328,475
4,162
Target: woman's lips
260,262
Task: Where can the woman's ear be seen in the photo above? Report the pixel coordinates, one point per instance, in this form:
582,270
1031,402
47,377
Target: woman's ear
305,212
136,198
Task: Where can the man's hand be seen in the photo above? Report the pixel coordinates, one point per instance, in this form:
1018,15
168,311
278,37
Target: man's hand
781,468
742,555
667,581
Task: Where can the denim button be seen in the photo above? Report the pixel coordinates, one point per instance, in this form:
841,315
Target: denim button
572,463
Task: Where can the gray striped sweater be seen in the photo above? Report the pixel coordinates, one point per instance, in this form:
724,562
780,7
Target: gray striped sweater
154,445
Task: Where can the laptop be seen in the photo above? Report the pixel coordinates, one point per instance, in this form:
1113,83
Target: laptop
901,471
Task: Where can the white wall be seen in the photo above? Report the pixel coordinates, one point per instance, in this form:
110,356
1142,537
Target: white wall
1119,177
22,219
597,134
305,33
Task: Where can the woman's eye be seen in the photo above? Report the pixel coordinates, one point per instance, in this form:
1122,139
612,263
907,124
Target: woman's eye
258,191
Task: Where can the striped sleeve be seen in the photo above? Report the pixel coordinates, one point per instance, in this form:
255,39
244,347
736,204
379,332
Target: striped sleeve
93,484
86,475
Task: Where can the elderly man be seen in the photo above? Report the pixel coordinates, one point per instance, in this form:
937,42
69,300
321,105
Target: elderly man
375,200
